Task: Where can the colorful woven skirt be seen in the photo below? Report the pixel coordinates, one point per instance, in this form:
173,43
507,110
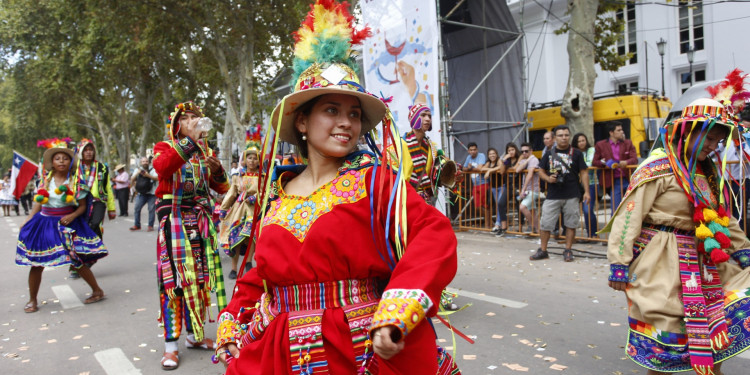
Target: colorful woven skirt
668,351
711,315
44,242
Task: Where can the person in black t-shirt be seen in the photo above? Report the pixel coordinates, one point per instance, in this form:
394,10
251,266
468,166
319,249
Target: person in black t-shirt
562,168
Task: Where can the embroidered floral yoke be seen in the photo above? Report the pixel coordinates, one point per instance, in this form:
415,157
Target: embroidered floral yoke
678,301
328,285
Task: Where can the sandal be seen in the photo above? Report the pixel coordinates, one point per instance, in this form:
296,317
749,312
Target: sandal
207,344
31,307
94,298
173,357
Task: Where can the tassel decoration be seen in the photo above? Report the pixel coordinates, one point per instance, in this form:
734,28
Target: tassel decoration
719,256
703,232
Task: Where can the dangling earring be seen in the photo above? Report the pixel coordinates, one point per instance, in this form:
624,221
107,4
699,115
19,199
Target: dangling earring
304,137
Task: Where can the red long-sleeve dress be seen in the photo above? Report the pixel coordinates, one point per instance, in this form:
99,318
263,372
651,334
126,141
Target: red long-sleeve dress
328,282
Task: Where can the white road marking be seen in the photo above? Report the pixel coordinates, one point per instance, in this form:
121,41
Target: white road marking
490,299
66,296
114,362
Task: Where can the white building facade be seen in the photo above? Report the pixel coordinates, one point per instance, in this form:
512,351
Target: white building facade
716,30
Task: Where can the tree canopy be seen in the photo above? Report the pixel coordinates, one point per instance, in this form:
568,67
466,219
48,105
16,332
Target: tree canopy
113,71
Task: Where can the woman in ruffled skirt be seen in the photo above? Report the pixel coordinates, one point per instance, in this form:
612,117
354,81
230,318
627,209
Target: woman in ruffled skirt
55,233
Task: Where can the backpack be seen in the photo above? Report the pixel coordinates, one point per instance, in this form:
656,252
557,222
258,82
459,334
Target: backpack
143,185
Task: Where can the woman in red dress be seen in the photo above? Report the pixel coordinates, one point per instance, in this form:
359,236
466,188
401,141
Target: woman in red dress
331,291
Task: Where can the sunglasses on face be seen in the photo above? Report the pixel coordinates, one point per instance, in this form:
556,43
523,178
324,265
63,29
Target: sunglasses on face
525,151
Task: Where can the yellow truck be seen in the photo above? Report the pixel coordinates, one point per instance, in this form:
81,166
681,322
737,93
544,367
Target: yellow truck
640,116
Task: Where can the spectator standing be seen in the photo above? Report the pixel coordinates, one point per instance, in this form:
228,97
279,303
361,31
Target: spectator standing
495,168
235,170
549,142
561,169
7,200
28,191
614,155
145,181
581,142
122,188
529,193
473,164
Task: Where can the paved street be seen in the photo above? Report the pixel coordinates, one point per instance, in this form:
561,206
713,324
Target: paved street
539,318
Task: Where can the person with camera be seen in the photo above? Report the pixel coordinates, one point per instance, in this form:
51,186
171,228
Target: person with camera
561,168
145,180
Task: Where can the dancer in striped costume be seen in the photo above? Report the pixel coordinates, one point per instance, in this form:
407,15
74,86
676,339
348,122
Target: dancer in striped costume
188,265
670,242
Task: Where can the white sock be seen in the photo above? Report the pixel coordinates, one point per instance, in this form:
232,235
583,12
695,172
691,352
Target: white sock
191,337
170,346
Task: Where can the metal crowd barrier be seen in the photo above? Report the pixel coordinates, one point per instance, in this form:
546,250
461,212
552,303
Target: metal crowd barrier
469,213
472,213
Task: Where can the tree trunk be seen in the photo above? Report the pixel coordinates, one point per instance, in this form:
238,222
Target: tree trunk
148,95
577,105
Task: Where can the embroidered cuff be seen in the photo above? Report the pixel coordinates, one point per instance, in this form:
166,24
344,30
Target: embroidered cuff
618,272
742,257
228,331
403,308
186,147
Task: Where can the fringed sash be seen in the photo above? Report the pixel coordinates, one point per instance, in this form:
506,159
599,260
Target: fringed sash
703,301
192,175
419,178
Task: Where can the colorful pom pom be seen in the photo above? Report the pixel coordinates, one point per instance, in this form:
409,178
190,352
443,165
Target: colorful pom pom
698,216
38,198
719,256
709,214
62,188
45,200
703,232
58,191
723,240
723,221
69,198
701,249
721,211
710,244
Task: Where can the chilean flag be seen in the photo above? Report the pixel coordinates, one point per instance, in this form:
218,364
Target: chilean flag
23,171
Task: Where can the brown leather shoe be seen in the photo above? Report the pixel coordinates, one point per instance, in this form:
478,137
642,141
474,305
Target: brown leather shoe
134,228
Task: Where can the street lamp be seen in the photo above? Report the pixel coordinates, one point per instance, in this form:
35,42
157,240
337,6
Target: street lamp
661,45
690,55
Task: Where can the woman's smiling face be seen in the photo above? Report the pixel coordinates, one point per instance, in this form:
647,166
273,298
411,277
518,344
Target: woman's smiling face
333,126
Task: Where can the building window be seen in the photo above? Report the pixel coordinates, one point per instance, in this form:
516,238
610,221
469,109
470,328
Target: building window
627,42
698,76
627,87
691,25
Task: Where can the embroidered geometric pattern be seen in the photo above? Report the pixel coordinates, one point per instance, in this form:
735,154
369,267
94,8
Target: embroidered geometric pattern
403,308
618,272
742,257
298,214
668,352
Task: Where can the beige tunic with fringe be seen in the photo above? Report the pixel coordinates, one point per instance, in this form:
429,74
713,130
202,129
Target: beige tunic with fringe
238,210
655,291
